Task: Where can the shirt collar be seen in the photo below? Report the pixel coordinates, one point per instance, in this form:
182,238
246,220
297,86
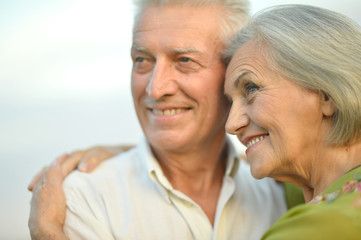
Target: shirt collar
233,160
352,175
156,173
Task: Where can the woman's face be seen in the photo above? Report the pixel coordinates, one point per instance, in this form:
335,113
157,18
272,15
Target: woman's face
279,122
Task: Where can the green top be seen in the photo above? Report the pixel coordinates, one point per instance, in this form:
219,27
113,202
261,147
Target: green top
334,214
294,195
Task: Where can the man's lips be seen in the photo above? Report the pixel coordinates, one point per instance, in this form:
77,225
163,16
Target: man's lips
168,112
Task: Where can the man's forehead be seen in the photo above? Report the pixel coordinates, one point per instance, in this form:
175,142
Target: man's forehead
198,23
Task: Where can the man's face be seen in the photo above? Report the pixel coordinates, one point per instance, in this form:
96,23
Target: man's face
178,76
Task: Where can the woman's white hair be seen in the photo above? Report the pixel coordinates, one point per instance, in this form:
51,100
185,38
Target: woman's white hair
318,49
233,13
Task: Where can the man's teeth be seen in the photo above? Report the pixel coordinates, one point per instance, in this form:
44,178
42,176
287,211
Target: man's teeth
255,140
168,112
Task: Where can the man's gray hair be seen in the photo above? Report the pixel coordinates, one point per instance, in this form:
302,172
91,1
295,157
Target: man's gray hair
233,13
318,49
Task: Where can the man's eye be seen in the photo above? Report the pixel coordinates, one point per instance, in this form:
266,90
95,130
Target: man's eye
186,64
140,59
185,59
142,64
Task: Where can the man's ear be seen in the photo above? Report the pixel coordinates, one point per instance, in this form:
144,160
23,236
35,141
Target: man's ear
327,106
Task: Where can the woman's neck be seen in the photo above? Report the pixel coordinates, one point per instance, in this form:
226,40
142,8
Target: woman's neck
334,163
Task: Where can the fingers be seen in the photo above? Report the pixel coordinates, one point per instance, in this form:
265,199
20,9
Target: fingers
52,173
94,157
85,160
67,164
55,171
36,179
88,163
43,171
71,162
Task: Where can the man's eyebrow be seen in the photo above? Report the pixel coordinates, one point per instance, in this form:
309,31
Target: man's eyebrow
140,49
186,50
174,51
240,77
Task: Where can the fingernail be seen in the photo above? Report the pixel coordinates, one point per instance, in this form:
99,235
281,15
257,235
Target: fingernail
82,167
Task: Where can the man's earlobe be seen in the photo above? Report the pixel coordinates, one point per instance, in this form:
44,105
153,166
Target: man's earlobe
327,105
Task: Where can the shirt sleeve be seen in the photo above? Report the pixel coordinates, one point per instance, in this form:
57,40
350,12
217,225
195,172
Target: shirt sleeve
85,218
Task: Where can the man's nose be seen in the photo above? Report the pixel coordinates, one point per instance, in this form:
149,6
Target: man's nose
163,80
238,119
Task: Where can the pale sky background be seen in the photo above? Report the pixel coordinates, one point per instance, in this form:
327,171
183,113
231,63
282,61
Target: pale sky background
64,85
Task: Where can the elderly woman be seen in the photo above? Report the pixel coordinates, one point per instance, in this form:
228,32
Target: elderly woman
295,85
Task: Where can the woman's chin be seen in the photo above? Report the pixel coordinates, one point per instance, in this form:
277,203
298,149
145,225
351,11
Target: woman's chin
258,172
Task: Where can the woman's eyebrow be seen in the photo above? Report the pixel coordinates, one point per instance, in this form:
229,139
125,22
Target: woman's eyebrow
240,77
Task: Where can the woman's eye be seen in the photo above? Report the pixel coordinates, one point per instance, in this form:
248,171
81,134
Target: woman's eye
250,88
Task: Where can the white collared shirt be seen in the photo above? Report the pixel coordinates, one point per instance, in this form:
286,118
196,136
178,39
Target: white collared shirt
128,197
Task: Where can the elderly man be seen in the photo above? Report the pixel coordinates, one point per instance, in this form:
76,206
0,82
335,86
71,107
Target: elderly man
185,180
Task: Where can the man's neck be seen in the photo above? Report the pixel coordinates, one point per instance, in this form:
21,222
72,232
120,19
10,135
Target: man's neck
198,174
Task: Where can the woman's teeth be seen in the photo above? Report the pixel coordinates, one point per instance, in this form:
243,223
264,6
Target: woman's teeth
254,141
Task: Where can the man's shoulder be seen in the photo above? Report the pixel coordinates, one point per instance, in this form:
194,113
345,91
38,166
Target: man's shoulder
112,170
